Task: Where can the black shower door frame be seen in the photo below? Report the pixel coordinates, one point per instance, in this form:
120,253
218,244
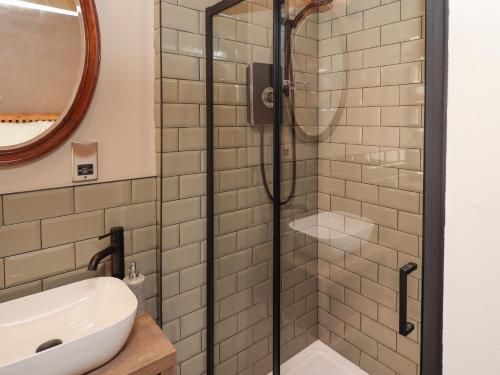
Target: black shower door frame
434,182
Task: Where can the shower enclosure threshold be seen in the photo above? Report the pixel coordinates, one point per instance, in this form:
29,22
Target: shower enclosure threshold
320,359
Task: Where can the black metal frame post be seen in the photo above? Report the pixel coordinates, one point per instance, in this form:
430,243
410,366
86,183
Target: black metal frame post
159,284
436,71
278,98
209,48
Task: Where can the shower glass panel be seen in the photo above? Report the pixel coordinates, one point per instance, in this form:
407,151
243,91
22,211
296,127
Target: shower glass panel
243,214
352,232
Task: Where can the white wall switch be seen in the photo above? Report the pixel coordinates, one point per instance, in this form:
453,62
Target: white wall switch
84,161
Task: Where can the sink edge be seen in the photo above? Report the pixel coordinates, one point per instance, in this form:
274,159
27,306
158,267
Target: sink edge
87,353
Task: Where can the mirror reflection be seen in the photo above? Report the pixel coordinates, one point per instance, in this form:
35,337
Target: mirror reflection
40,66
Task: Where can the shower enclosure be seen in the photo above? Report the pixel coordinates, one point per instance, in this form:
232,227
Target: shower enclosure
315,140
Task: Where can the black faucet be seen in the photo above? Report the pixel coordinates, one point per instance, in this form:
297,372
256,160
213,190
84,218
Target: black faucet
117,252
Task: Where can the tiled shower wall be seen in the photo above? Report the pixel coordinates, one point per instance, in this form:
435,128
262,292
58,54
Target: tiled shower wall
370,179
48,237
180,115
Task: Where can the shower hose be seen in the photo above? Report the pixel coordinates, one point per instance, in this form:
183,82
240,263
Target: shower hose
290,92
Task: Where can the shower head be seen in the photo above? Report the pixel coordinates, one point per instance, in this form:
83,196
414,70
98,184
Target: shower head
312,4
319,3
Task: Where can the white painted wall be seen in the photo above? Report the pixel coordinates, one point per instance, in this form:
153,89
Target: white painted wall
121,117
472,258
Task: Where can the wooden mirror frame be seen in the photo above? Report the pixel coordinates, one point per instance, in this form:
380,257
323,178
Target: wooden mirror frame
81,102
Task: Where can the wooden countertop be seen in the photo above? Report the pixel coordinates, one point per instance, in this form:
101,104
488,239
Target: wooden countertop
146,352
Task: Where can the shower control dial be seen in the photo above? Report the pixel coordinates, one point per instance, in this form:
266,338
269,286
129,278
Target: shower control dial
268,97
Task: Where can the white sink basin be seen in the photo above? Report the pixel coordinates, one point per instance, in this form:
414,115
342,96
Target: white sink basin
93,319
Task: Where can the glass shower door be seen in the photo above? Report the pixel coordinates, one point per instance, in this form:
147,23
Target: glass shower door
352,154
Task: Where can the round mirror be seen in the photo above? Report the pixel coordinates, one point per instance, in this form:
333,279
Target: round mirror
49,63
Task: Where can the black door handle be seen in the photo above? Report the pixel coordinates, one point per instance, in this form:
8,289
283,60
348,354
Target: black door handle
405,327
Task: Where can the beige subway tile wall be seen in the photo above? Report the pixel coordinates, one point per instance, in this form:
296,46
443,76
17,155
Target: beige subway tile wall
48,237
374,188
180,99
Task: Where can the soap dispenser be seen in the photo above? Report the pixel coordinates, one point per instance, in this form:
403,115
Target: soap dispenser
135,282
